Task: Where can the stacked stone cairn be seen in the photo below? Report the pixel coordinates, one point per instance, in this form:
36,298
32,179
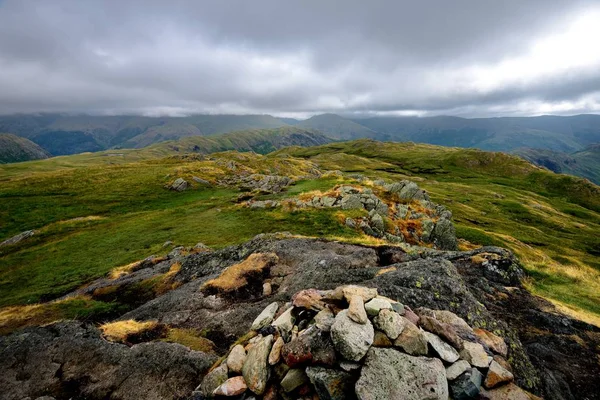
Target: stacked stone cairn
351,343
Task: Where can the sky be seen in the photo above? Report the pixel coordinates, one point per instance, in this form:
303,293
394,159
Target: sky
299,58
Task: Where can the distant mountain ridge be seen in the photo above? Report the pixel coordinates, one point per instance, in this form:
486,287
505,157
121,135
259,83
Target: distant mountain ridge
16,149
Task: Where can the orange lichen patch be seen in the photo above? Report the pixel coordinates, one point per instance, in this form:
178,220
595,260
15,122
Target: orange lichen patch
409,226
125,331
238,276
385,271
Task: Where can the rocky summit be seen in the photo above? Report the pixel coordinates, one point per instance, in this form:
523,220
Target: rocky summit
338,321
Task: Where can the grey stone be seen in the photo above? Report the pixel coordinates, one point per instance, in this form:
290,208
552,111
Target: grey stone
324,319
17,238
444,235
389,374
285,322
236,358
294,378
179,185
467,385
373,306
265,317
331,384
201,181
350,223
351,202
351,340
457,369
377,222
213,380
475,354
409,191
390,322
443,349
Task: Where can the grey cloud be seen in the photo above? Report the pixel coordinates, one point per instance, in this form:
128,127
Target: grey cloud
270,56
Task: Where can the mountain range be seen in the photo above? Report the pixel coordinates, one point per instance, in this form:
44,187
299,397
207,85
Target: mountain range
562,144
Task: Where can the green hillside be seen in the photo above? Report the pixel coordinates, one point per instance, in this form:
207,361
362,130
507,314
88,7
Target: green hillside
95,212
337,127
584,163
16,149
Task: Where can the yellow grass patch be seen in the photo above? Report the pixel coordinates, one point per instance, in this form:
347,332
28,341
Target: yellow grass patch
190,338
385,271
236,276
119,331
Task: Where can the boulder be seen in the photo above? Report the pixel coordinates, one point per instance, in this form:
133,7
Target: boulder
275,354
351,202
331,384
377,222
201,181
444,235
467,385
351,340
389,375
17,238
179,185
324,319
256,369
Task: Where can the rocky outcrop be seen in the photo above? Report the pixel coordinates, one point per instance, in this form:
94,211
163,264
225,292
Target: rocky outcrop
17,238
70,359
178,185
549,354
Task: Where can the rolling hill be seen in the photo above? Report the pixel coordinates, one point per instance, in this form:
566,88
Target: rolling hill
584,163
338,127
16,149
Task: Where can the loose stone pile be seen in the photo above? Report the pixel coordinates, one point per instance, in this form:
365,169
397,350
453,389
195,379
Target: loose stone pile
402,213
351,343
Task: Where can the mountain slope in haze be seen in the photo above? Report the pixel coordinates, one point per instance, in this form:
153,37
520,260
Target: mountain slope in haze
338,127
66,134
584,163
260,141
557,133
17,149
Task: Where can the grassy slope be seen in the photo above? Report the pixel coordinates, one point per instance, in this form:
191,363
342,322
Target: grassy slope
550,221
18,149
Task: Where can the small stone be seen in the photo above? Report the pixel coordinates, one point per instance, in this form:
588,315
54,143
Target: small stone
474,354
377,222
377,304
457,369
506,392
255,370
267,289
324,319
352,340
349,366
331,384
265,317
313,346
443,330
346,292
381,340
351,202
412,340
293,379
356,310
285,322
411,316
467,385
503,363
350,223
497,375
231,387
398,307
275,354
213,380
236,358
389,322
443,349
494,342
309,298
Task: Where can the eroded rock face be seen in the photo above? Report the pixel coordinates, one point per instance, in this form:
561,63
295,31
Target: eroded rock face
390,374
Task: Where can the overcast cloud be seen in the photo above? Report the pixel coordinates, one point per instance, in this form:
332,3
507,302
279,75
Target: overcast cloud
298,58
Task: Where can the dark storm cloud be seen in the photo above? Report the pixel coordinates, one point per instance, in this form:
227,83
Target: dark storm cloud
270,56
